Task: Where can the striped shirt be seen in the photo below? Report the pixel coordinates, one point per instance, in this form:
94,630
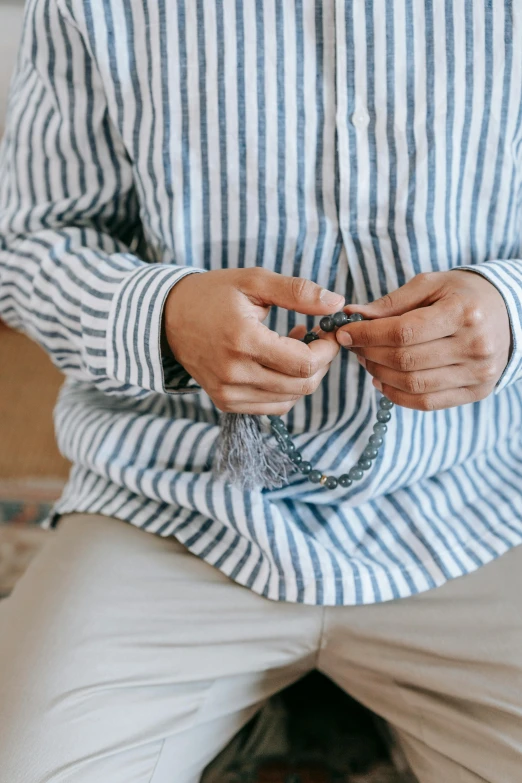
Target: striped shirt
353,143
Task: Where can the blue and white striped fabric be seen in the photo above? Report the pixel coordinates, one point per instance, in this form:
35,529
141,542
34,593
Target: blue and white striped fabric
354,143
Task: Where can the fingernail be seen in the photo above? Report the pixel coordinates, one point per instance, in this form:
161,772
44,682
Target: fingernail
362,361
344,338
377,384
331,298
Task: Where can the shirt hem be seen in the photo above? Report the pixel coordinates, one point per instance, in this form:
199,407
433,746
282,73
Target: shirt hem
310,583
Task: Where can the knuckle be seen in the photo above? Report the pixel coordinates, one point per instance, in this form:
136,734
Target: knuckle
256,273
415,384
387,301
473,317
426,278
222,403
426,403
475,393
228,376
301,288
403,334
306,368
488,372
222,395
404,361
215,390
224,398
482,347
238,344
308,387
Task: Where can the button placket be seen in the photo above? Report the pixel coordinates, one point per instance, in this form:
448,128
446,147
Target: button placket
342,115
353,120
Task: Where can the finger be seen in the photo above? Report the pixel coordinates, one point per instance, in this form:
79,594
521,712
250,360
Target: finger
422,290
419,326
259,384
291,357
248,375
436,400
424,381
293,293
273,382
426,356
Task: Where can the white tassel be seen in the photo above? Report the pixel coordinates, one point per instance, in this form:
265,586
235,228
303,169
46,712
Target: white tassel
246,458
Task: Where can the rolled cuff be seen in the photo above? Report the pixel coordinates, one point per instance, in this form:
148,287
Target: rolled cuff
134,352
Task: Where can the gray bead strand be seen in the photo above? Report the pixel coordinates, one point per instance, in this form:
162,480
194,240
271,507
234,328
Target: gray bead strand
375,441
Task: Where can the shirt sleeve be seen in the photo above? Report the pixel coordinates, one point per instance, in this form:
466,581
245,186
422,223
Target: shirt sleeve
506,276
75,272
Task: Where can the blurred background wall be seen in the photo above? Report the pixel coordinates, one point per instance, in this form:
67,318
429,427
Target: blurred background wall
31,470
28,381
11,14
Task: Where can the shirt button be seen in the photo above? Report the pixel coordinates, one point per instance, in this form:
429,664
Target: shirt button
361,118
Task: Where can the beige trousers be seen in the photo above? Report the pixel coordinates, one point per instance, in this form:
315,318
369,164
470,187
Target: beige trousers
124,659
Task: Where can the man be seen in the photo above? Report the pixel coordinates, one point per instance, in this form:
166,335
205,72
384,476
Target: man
305,155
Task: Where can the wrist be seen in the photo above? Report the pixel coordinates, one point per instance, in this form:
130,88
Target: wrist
174,320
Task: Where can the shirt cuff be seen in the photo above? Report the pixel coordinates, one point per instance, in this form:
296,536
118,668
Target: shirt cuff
506,276
134,354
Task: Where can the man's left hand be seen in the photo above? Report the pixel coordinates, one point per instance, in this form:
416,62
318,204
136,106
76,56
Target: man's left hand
441,340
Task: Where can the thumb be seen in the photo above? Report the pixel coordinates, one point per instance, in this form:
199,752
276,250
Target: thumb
408,297
294,293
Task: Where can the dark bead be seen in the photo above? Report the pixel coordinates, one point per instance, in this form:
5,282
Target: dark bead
315,476
386,404
356,317
306,468
380,428
376,441
327,324
310,337
365,464
331,482
370,453
383,416
297,457
345,480
273,418
340,319
355,474
278,424
290,447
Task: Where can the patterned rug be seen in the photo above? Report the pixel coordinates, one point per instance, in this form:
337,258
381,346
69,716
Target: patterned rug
20,536
310,733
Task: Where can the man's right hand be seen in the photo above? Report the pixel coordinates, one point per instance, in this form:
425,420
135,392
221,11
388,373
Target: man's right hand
213,325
